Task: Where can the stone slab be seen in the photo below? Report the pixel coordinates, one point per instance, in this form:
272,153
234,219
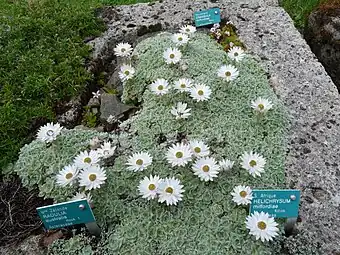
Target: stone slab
296,76
110,105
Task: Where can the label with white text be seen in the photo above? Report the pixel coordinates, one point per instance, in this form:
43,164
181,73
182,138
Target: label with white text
277,203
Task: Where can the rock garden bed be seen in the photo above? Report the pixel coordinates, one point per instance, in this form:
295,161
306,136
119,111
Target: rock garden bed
204,218
153,124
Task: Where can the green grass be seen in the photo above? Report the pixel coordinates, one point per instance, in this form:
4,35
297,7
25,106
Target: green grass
299,10
41,62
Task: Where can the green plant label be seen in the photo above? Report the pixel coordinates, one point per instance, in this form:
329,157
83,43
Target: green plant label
66,214
277,203
207,17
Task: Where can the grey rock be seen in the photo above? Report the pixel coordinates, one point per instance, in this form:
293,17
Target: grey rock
100,129
82,127
115,83
299,80
70,117
323,35
111,105
94,102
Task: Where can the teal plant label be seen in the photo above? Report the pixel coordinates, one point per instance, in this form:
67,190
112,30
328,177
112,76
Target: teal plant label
277,203
66,214
207,17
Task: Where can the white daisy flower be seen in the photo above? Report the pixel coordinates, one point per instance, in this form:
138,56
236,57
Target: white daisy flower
160,87
226,164
170,191
261,105
206,168
86,159
181,111
262,226
67,175
126,72
228,73
148,187
82,195
200,92
253,162
183,85
242,195
96,94
179,154
139,161
199,148
106,150
216,25
180,39
188,29
172,55
236,53
123,50
218,35
92,177
49,132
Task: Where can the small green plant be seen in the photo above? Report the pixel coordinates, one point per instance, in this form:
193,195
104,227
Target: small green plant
90,118
111,91
227,36
300,9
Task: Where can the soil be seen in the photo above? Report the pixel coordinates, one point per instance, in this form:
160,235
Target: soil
18,215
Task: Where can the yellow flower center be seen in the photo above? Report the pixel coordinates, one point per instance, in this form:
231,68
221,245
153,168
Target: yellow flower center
180,39
243,194
169,190
197,149
127,72
139,162
183,86
87,160
261,225
152,186
172,55
92,177
200,92
123,49
252,163
206,168
261,106
228,73
50,132
160,87
68,176
179,154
